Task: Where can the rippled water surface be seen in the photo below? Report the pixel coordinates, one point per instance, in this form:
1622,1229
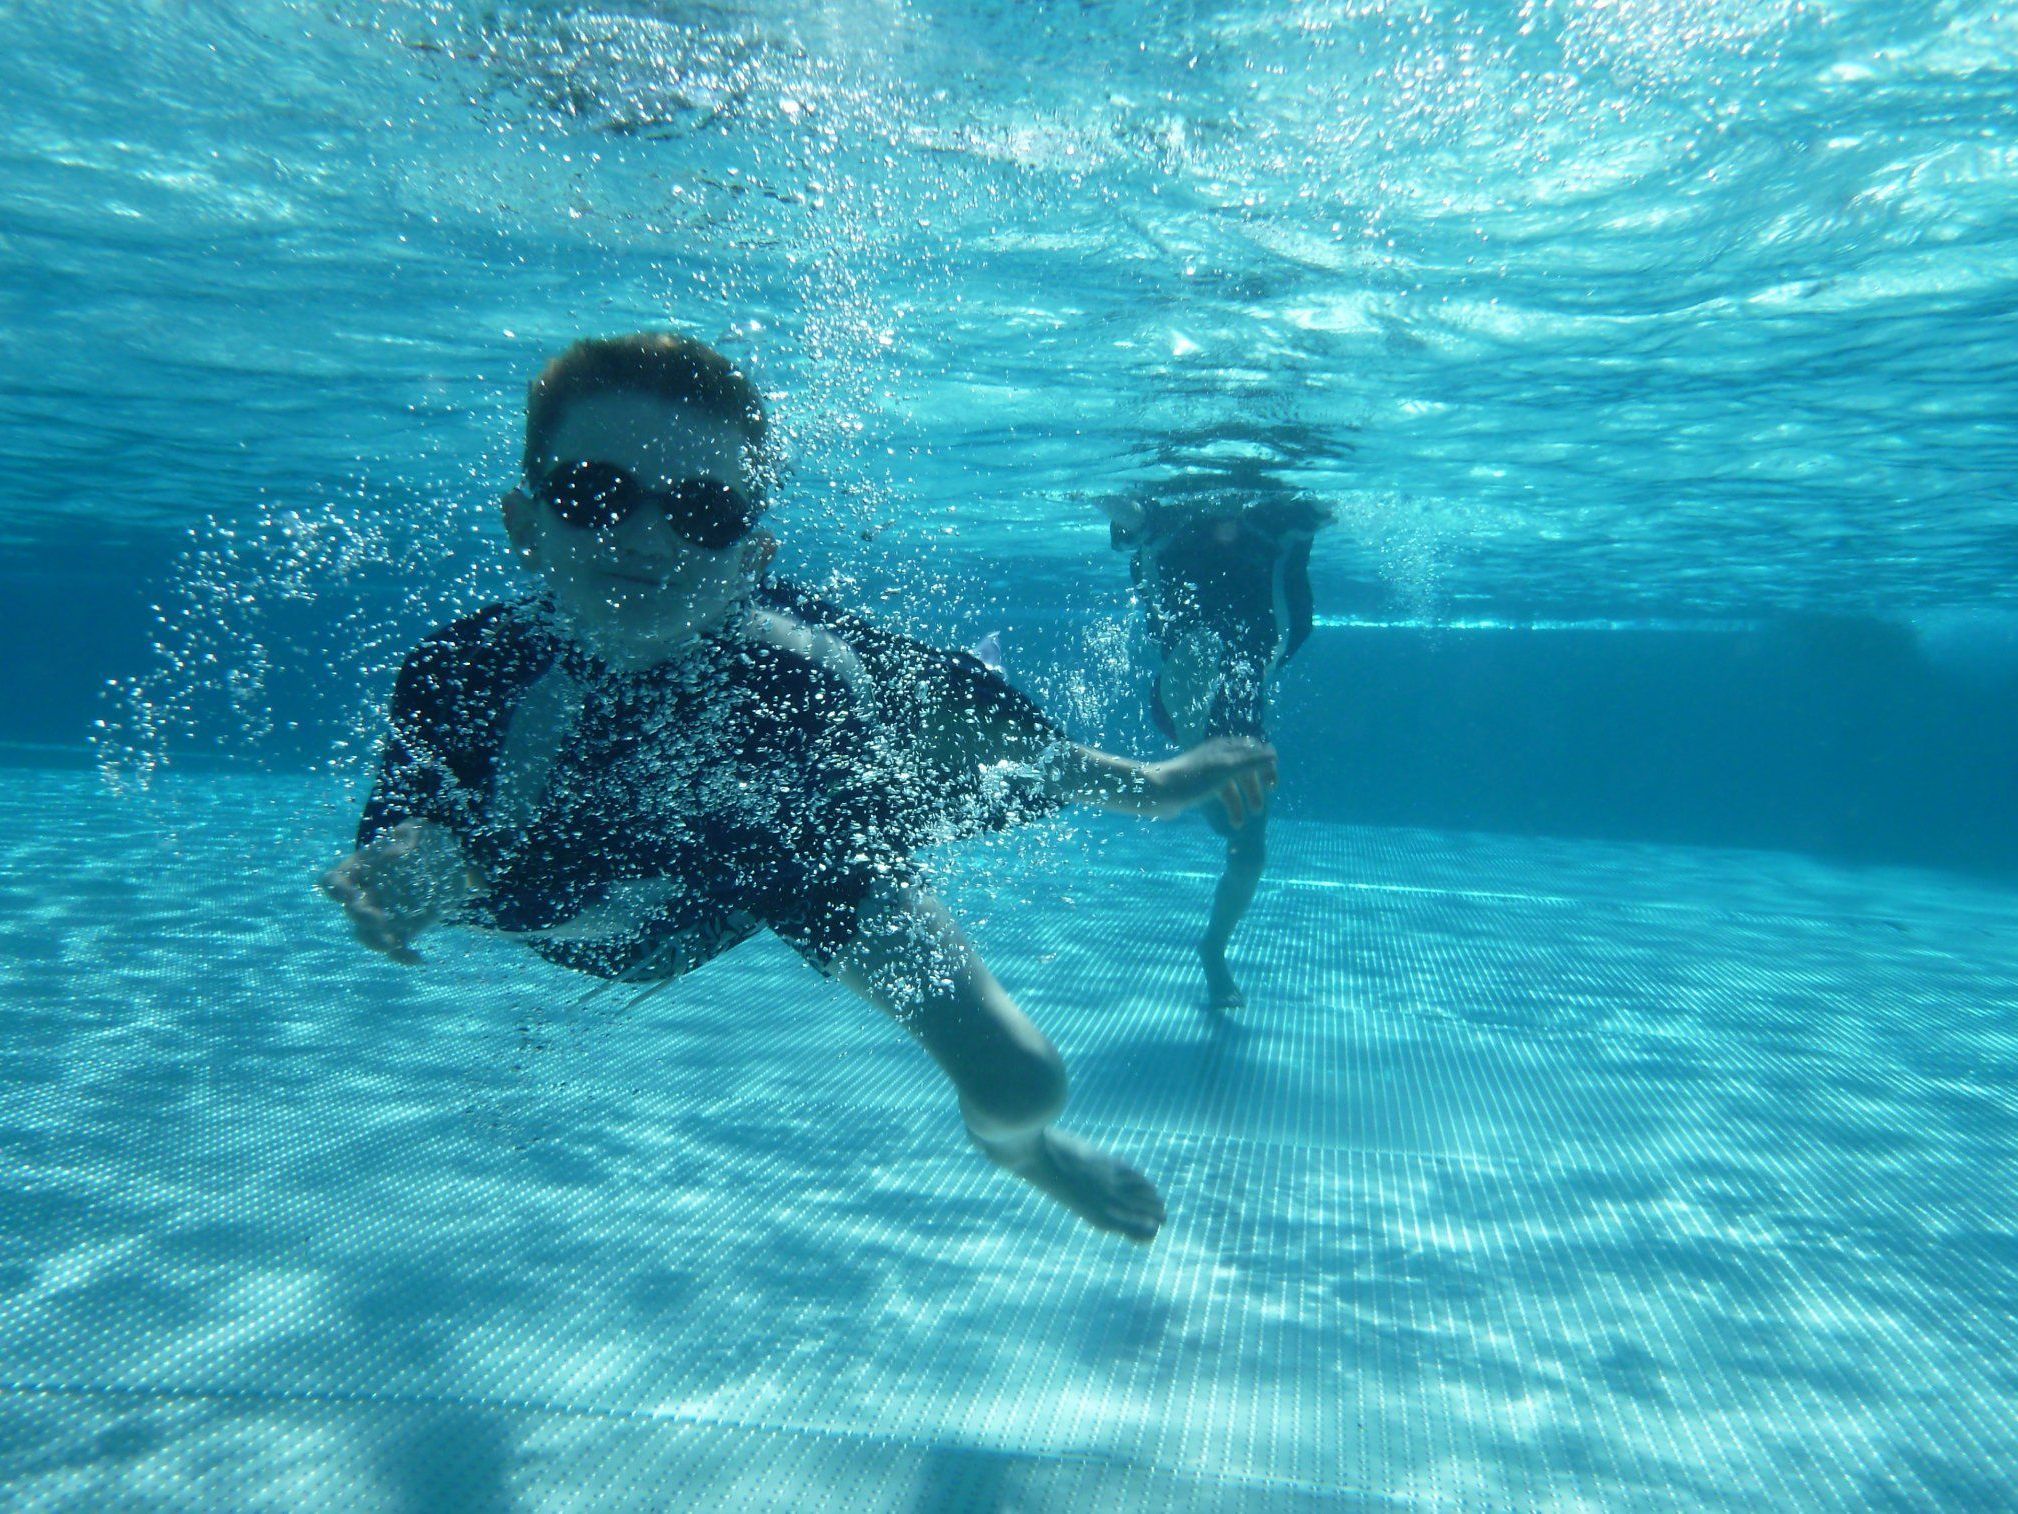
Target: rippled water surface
1582,309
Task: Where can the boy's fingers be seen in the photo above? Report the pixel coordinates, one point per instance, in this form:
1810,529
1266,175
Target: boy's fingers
371,925
369,921
377,932
349,883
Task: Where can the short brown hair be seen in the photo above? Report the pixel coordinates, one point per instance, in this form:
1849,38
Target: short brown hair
658,363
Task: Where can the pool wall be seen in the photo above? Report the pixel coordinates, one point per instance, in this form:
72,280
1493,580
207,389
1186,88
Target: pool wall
1837,737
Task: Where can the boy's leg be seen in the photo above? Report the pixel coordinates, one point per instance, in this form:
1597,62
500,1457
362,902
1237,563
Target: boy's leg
913,962
1246,856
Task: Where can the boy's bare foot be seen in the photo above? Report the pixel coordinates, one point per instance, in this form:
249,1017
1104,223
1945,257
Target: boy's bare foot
1221,992
1101,1189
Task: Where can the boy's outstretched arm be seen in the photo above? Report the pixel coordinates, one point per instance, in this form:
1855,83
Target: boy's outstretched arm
1237,771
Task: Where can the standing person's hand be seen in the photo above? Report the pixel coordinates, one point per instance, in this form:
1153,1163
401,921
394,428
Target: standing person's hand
398,886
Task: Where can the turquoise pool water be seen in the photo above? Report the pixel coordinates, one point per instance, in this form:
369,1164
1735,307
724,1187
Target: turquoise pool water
1623,1115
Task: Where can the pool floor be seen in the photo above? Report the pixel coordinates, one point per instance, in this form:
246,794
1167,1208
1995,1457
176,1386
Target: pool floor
1539,1174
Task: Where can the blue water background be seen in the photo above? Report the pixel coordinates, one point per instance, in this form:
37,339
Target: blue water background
1683,331
1659,359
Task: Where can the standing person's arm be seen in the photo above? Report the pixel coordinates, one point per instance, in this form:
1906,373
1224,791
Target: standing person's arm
1296,590
1297,522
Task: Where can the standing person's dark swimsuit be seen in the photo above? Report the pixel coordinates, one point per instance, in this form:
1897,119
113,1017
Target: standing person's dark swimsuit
1225,588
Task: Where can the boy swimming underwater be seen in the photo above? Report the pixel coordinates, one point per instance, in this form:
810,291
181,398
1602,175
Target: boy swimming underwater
662,753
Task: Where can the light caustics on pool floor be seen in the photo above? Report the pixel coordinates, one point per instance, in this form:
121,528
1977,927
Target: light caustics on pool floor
1540,1174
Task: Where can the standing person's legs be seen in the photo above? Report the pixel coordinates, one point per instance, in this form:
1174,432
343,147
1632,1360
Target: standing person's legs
914,963
1246,856
1210,686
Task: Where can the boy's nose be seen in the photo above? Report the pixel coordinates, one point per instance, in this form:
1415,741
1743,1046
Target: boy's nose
645,534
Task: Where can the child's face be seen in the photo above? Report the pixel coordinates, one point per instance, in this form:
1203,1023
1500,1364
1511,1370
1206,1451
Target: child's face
638,589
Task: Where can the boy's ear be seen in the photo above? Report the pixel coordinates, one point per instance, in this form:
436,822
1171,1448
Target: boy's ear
518,519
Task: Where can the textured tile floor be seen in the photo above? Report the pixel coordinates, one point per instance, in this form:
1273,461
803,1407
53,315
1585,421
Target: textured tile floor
1539,1174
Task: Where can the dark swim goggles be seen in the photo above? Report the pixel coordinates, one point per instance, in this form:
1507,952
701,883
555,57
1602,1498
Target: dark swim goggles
599,496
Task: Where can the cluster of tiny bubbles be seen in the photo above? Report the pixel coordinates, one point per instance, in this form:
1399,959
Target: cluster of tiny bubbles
279,608
1109,668
910,957
1411,540
753,146
1096,679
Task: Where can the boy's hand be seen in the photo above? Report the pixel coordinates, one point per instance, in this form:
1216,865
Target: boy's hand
1235,769
395,888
